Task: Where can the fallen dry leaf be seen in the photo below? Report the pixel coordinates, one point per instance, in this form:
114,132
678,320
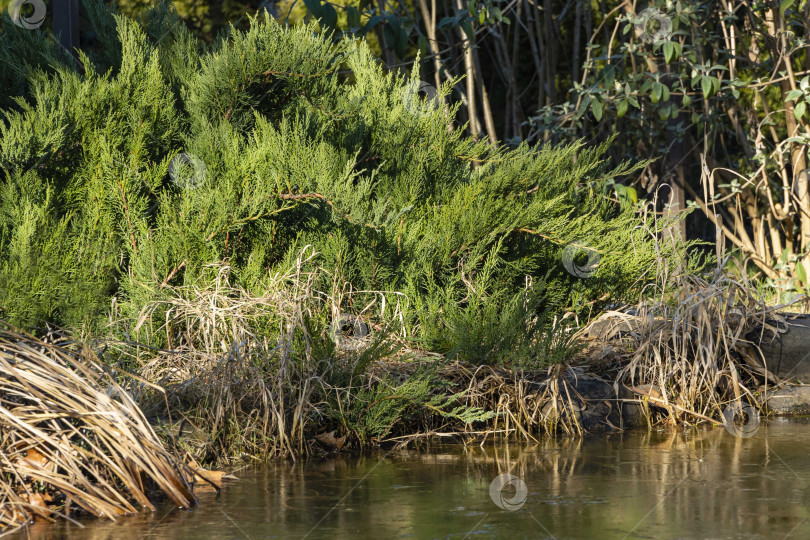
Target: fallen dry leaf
646,390
39,499
34,460
204,477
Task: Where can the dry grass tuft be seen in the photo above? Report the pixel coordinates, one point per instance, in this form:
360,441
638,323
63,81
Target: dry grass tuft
72,439
239,367
691,348
526,404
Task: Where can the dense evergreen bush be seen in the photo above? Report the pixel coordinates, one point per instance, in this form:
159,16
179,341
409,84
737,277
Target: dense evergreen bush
156,156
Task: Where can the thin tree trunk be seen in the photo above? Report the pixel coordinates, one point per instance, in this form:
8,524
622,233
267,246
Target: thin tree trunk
534,23
577,38
387,53
469,69
429,16
517,113
798,157
489,122
551,47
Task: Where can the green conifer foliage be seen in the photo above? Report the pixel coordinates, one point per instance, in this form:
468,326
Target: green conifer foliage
157,156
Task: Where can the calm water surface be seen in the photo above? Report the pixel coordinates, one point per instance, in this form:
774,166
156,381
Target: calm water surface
701,483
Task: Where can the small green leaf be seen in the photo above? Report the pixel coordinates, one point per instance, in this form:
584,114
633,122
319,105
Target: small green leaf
353,17
798,110
314,7
793,94
423,45
371,23
631,193
583,106
621,108
706,86
390,37
669,51
393,22
657,90
801,273
468,30
330,17
784,5
686,100
446,21
608,74
596,109
402,43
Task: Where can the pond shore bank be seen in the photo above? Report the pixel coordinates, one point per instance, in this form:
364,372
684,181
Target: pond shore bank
64,410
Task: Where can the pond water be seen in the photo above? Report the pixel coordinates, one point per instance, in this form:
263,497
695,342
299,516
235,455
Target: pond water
699,483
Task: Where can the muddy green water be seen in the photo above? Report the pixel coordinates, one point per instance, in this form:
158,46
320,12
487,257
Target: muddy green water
702,483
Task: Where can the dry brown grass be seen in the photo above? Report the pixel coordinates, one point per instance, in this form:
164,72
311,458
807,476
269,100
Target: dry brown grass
691,348
72,439
527,404
242,368
240,391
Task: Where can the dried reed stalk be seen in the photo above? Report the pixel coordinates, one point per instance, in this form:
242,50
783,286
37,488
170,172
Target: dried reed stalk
72,438
692,348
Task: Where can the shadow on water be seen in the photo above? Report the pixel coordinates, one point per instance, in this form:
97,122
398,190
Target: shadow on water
701,483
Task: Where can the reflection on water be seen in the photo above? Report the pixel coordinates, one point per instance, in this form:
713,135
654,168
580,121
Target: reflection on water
695,484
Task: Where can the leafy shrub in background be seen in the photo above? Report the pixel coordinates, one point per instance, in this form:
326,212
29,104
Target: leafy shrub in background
128,174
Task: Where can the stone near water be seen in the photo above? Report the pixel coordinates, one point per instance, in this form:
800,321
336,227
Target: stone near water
791,400
788,355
